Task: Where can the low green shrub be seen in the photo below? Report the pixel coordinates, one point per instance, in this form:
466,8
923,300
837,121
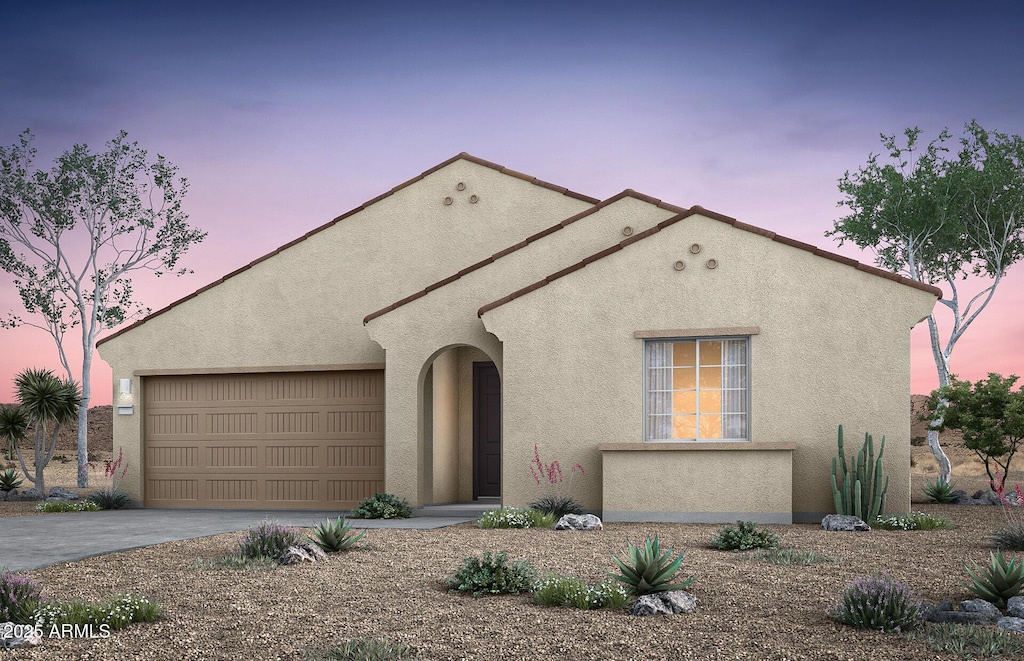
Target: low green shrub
111,499
51,506
743,536
913,521
778,556
997,582
646,570
336,536
516,517
970,641
557,506
939,492
878,602
493,574
117,612
361,649
19,597
10,480
268,539
237,562
382,506
570,592
1010,538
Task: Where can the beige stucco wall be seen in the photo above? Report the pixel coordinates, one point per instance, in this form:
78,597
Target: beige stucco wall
304,306
413,334
833,347
444,449
641,482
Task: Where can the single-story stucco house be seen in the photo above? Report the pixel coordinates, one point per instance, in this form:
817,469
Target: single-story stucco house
421,344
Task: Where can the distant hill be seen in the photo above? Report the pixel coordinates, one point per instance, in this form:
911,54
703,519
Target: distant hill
101,432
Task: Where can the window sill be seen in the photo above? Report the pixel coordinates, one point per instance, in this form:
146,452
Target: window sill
689,446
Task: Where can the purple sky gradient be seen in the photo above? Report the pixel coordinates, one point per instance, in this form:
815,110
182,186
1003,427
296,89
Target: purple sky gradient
285,115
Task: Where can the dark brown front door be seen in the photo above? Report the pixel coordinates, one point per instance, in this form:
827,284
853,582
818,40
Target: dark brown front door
486,431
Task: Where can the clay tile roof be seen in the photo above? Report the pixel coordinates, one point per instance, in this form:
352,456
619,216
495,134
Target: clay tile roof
462,156
935,291
522,244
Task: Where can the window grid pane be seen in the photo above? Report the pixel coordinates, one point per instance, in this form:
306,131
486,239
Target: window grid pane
697,390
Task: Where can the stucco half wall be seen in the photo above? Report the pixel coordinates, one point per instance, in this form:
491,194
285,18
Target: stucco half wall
832,346
681,482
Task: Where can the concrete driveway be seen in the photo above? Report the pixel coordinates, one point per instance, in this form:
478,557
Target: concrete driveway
32,542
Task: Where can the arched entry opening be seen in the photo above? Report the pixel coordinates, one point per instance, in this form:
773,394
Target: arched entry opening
461,442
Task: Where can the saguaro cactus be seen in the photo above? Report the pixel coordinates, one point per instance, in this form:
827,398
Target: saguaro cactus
858,490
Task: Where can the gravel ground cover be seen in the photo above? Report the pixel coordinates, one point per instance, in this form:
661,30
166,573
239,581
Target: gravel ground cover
394,588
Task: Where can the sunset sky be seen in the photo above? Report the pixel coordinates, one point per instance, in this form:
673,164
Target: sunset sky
285,115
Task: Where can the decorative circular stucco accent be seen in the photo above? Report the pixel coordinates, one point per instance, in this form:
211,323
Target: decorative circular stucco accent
473,199
460,186
447,201
695,248
679,266
627,230
712,263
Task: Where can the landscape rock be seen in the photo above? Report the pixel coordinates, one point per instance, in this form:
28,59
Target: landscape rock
958,617
844,523
29,494
672,602
61,493
981,606
929,610
18,635
1011,624
11,495
579,522
1015,606
294,555
985,497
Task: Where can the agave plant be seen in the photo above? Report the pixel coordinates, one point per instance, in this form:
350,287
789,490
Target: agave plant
9,480
939,491
646,570
999,581
335,536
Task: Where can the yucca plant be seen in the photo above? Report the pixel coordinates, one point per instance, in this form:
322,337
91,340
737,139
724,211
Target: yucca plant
646,570
13,427
997,582
335,536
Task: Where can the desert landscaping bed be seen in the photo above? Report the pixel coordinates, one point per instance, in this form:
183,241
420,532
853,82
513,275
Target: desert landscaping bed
393,588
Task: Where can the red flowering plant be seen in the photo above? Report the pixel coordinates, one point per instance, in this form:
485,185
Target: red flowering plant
1012,536
555,499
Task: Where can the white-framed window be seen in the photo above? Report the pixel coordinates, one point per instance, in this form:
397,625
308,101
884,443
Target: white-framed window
697,389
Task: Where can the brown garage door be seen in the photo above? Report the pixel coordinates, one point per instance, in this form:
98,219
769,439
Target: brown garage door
307,440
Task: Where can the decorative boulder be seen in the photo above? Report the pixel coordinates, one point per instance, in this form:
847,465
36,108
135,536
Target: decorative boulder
61,493
1015,606
18,635
844,523
294,555
959,617
30,494
1011,624
981,606
672,602
11,495
579,522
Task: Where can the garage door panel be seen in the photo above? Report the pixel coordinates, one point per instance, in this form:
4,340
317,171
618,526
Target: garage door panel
292,441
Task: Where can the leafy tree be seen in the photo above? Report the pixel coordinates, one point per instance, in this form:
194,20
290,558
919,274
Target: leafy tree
47,403
990,415
937,216
71,237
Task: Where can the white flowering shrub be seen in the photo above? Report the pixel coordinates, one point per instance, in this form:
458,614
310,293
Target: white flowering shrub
516,517
570,592
913,521
116,613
